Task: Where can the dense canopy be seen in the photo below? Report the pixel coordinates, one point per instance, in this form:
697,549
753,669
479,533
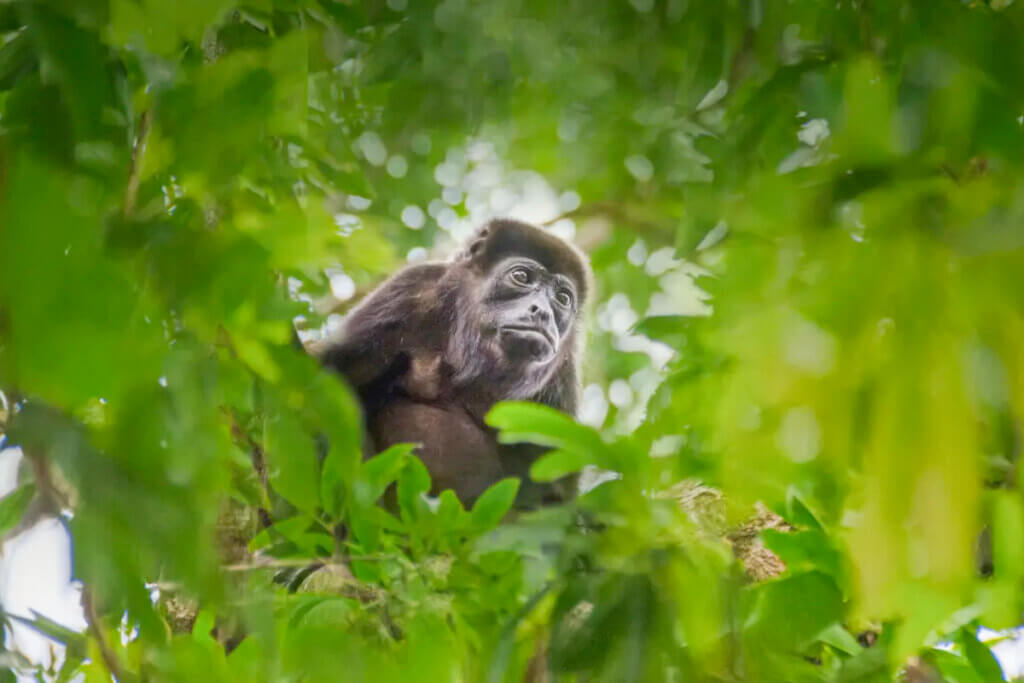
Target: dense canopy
806,222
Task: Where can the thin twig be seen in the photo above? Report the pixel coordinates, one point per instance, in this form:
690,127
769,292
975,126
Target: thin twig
131,191
107,653
299,562
54,499
621,214
259,464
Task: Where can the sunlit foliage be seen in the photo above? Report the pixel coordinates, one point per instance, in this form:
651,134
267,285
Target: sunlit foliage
807,225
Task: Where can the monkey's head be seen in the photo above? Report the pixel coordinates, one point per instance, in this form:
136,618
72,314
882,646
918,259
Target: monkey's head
529,310
528,288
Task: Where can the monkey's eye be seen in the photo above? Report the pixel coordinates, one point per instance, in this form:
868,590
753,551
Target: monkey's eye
564,298
521,276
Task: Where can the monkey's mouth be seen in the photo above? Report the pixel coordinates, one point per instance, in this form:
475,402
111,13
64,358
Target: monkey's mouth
534,341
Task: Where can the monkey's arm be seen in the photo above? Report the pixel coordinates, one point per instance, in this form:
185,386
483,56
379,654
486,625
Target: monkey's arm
385,331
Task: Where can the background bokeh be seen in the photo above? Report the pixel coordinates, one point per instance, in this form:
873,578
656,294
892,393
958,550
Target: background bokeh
806,222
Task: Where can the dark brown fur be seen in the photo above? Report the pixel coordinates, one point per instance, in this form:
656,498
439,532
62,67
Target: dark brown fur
428,368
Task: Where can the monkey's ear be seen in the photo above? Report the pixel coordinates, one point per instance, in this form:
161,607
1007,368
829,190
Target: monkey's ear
476,244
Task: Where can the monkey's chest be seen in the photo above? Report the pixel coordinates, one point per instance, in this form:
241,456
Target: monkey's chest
457,451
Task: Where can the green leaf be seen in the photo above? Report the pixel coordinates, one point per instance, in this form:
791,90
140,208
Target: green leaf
337,413
333,488
202,627
804,551
557,464
247,661
13,505
792,611
868,135
379,472
306,536
980,656
799,512
16,59
413,482
335,612
1008,534
838,637
292,459
674,330
535,423
103,311
77,643
520,422
613,626
367,523
451,516
953,667
161,27
493,504
366,518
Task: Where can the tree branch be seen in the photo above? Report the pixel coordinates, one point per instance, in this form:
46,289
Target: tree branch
107,653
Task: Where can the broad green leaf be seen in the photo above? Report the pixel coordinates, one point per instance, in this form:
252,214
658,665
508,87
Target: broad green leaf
838,637
65,269
375,475
520,422
800,512
953,667
493,504
379,472
248,659
805,551
980,656
292,460
335,612
792,611
202,629
868,133
450,516
557,464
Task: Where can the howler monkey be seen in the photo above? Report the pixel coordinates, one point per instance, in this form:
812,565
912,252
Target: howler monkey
434,347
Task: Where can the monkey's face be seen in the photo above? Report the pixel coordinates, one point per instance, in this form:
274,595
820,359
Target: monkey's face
528,310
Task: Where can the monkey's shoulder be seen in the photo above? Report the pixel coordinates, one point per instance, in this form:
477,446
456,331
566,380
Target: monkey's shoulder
415,278
405,300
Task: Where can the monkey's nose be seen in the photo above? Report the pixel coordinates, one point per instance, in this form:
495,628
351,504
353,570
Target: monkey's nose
541,313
